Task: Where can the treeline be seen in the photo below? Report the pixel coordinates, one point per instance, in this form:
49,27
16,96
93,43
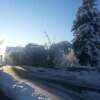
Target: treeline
39,55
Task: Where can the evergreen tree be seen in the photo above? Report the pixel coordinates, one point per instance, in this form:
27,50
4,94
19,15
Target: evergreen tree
86,31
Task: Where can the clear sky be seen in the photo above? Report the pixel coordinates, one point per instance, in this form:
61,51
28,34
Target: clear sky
24,21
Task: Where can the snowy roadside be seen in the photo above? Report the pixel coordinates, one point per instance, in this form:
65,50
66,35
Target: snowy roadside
22,91
87,77
92,77
19,90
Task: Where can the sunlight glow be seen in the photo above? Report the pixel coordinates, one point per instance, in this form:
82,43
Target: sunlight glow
2,47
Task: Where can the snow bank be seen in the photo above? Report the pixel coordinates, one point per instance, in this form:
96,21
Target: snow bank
19,90
91,95
47,71
92,77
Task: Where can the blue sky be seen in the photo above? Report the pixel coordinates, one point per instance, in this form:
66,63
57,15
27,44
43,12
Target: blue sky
24,21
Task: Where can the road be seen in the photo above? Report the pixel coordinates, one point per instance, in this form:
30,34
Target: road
48,87
74,84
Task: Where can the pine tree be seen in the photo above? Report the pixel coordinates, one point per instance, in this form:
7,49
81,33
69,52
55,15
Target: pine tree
86,31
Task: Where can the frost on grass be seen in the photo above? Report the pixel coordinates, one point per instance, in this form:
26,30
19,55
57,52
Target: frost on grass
91,95
89,77
19,90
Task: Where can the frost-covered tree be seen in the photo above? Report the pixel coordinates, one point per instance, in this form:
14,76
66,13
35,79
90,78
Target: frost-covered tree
70,60
86,30
57,50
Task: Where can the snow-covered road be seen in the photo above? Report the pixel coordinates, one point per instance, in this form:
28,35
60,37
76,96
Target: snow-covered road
49,91
46,86
18,90
65,80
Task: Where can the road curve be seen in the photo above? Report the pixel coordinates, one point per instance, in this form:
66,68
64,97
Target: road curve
59,89
50,85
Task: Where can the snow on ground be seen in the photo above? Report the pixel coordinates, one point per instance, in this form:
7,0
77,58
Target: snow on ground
19,90
92,78
22,91
91,95
89,77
